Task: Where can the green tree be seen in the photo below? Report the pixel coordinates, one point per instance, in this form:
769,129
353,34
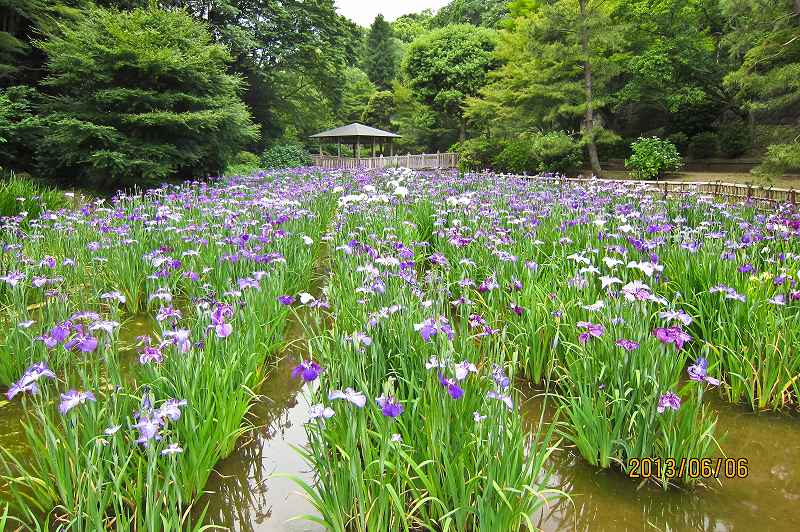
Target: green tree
21,21
379,111
765,36
381,55
487,13
559,60
138,97
448,65
356,93
408,27
673,66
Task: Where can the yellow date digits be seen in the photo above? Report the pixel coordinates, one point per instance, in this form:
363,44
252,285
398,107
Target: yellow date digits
688,468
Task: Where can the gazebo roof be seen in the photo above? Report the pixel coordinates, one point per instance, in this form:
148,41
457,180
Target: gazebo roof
355,130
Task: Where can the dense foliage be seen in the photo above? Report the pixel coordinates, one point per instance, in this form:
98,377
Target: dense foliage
651,157
447,65
285,156
718,78
140,97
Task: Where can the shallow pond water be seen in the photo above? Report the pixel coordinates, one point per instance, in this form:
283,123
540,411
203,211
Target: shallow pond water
247,491
246,496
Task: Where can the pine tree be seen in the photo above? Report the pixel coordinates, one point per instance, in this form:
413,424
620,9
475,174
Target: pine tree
381,57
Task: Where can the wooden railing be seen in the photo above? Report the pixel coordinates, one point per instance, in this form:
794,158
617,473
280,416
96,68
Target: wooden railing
721,189
423,161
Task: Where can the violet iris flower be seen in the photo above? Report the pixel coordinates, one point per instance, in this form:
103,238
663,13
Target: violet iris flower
180,338
499,377
505,399
668,400
591,330
172,448
285,300
672,335
627,345
148,427
430,327
308,370
357,398
464,369
27,383
452,387
699,372
73,398
389,406
320,412
221,313
171,409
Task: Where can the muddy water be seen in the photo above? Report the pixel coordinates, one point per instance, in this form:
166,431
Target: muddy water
250,499
768,499
247,493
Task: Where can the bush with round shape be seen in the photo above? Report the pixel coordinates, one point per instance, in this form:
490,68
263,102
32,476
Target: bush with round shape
704,145
652,157
285,156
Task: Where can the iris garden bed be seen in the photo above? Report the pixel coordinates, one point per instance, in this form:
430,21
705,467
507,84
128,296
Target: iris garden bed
445,295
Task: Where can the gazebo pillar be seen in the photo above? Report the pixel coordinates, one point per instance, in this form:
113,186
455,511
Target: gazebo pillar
358,147
338,147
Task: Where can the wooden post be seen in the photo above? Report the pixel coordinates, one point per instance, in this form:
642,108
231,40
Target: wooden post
338,147
320,146
391,147
373,146
358,148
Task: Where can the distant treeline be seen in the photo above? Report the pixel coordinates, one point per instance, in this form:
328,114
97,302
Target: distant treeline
129,91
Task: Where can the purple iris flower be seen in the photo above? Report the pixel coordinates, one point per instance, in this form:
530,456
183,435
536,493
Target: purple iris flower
672,335
746,268
27,383
84,342
430,327
668,400
172,448
591,330
499,377
168,313
389,406
452,387
171,409
307,369
221,313
357,398
73,398
60,332
517,309
285,299
699,372
627,345
181,339
505,399
148,427
464,369
151,354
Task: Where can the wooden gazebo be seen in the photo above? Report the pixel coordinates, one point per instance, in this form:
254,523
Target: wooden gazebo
357,135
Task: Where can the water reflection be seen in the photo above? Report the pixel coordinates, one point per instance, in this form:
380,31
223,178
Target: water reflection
766,499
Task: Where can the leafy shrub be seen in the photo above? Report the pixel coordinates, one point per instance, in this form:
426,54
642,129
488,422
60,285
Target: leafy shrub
285,156
780,159
704,145
735,139
140,96
245,163
651,157
18,194
554,151
476,154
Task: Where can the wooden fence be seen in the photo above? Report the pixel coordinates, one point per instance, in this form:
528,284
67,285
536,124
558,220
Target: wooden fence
424,161
721,189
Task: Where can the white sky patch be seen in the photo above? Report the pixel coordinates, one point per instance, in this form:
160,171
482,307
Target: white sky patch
363,12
